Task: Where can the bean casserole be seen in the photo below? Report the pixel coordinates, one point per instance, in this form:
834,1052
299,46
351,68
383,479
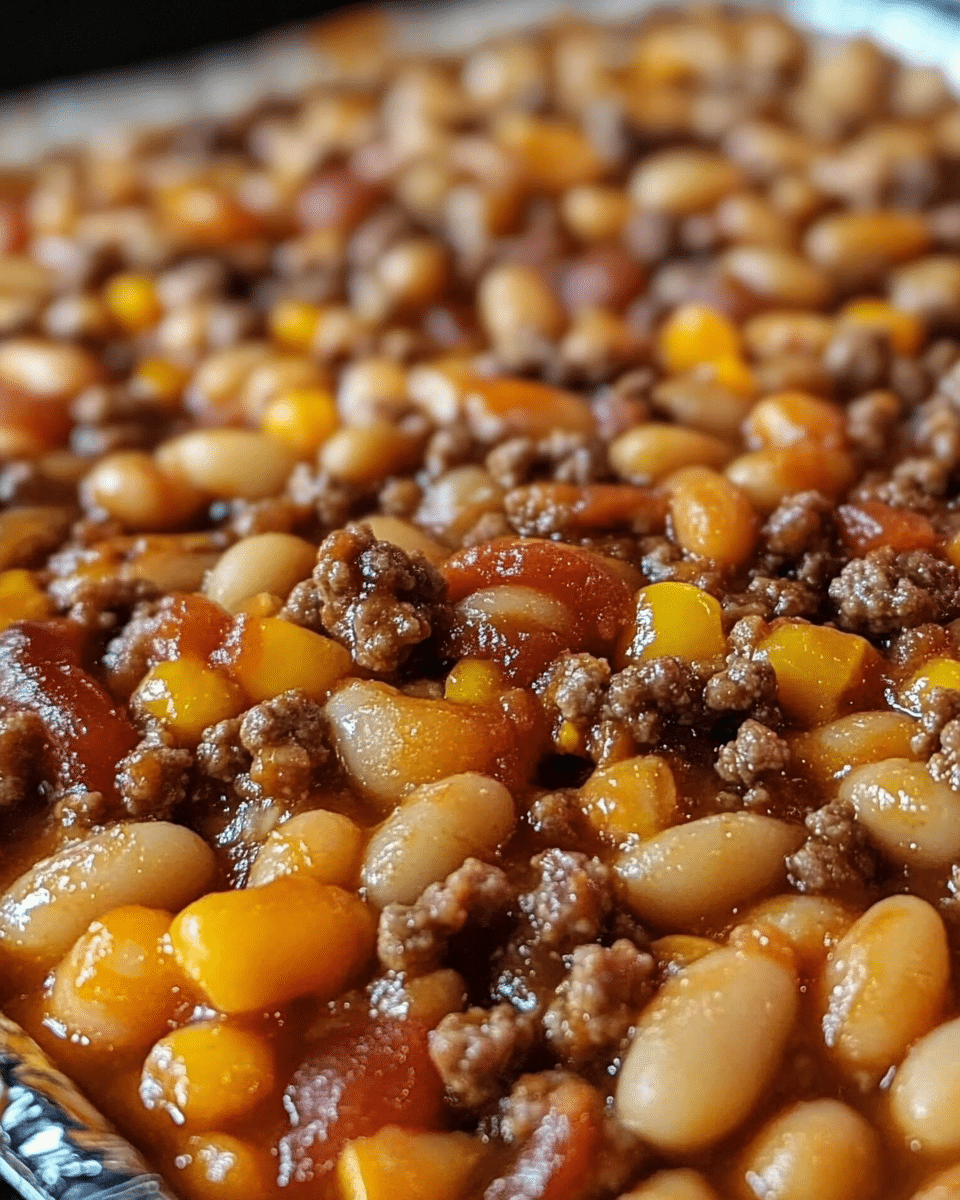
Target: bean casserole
480,669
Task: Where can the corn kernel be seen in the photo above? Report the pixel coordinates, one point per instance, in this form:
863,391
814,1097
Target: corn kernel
905,330
730,372
187,696
207,1074
633,798
159,379
293,323
299,938
569,739
302,418
952,550
274,656
21,599
405,1162
695,334
936,673
133,302
817,669
677,619
474,681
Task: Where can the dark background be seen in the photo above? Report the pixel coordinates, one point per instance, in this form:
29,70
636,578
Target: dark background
49,39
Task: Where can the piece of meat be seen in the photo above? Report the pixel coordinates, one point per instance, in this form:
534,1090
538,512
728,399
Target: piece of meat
153,778
598,1003
413,938
756,751
371,596
835,857
478,1052
885,591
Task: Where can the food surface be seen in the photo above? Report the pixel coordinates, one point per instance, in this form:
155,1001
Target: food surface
480,653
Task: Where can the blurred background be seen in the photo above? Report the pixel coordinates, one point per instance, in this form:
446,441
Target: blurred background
53,39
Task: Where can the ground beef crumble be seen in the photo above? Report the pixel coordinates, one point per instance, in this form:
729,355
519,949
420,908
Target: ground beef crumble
835,856
23,736
885,591
153,778
476,1052
371,596
756,751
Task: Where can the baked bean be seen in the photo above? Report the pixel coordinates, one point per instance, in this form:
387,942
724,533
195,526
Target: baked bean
929,287
595,212
830,752
412,274
812,925
408,537
711,516
154,864
372,389
705,868
768,476
815,1150
884,984
325,845
778,277
132,488
436,828
53,370
684,181
910,816
273,375
518,312
265,562
773,334
554,154
767,150
365,454
653,451
702,405
857,246
217,381
923,1098
228,463
705,1049
943,1186
744,217
678,1184
790,417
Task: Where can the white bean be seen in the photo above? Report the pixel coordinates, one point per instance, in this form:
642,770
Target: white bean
323,844
265,562
155,864
945,1185
924,1097
228,463
884,985
812,925
815,1150
679,1184
407,536
46,368
433,832
705,867
706,1049
912,817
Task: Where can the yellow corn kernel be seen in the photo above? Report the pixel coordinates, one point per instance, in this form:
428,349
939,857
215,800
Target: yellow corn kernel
952,550
905,330
133,302
730,372
679,950
677,619
293,323
301,418
405,1162
474,681
817,669
21,599
633,798
694,334
274,656
186,696
159,379
936,673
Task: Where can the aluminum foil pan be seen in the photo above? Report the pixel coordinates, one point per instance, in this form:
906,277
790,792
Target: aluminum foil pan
53,1144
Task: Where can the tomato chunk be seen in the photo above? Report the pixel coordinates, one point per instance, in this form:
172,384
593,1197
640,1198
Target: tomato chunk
87,735
362,1076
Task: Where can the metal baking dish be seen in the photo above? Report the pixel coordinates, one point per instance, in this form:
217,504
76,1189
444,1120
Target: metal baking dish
53,1143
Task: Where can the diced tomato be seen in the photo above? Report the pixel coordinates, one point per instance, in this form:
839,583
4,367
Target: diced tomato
590,584
41,671
868,525
359,1078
